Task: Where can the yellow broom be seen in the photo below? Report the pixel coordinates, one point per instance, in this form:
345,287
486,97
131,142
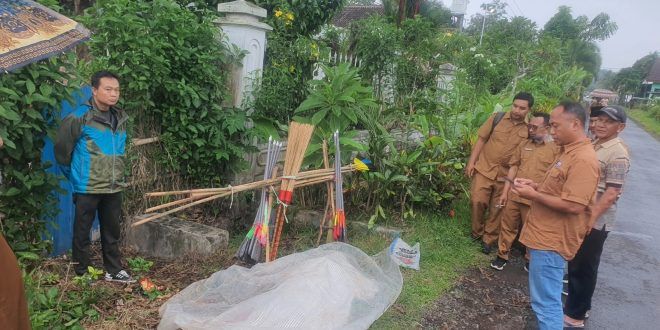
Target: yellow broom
299,136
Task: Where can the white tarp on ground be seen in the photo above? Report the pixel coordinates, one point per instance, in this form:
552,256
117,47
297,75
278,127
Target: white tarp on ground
335,286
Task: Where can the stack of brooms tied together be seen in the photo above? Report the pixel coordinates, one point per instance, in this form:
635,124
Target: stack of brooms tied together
266,231
259,235
299,136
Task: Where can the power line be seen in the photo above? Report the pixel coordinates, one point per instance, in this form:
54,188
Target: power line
520,10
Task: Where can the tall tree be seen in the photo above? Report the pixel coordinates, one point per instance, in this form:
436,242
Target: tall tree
578,35
628,80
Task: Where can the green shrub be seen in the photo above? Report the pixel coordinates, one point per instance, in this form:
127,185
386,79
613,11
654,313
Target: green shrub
29,108
339,102
173,70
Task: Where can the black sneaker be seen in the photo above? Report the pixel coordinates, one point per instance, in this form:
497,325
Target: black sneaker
121,277
485,248
498,263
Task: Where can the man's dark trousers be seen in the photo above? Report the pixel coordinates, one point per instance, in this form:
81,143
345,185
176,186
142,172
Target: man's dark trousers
109,211
583,273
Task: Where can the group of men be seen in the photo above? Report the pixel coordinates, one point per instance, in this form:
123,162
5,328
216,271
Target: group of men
545,180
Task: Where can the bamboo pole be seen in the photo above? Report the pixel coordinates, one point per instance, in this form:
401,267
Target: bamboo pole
301,183
160,215
329,206
139,142
252,185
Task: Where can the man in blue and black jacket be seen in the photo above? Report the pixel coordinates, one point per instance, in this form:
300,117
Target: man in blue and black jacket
90,145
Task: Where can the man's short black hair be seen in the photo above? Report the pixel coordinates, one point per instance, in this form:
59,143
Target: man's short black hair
575,109
525,97
546,117
96,77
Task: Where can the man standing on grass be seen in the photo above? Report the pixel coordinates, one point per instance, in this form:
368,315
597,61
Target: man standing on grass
488,162
614,162
558,218
531,160
90,144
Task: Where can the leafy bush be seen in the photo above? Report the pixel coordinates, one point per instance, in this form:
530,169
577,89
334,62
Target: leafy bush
139,265
170,63
29,105
339,102
283,85
411,174
56,307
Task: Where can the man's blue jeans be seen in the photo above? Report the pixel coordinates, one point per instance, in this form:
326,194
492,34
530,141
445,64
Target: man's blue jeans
546,271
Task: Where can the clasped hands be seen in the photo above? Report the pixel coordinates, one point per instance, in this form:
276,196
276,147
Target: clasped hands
524,188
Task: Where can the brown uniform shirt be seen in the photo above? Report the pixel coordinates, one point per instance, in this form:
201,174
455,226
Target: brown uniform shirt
533,160
572,177
494,158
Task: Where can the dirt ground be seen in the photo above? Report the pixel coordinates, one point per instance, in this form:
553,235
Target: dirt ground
485,298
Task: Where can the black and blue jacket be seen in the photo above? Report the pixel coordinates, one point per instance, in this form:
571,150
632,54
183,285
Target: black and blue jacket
91,151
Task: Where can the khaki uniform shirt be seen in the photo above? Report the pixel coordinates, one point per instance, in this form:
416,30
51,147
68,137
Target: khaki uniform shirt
572,177
614,160
533,160
494,157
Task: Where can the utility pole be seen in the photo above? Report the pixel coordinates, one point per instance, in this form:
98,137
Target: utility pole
483,24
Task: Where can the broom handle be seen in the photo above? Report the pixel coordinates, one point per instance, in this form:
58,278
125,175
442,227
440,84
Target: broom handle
328,204
160,215
279,224
253,185
270,209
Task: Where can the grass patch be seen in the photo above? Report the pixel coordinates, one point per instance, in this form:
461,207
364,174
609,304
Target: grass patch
446,251
646,119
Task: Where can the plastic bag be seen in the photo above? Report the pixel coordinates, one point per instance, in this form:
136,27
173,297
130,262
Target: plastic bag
404,255
335,286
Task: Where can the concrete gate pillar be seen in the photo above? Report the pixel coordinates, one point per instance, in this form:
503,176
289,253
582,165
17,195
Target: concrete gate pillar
244,29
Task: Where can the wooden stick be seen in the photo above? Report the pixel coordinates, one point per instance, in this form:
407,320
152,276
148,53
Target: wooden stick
251,185
160,215
166,205
270,208
328,204
139,142
197,196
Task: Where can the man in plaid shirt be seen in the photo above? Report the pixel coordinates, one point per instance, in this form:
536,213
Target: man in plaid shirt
614,162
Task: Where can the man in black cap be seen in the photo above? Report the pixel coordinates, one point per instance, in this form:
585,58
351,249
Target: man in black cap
614,162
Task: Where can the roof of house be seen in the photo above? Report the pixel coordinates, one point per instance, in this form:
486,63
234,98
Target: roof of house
354,13
654,73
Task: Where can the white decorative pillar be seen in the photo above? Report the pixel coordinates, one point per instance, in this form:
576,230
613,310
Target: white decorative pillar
243,28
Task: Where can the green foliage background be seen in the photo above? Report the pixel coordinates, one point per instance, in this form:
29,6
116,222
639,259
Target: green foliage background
174,80
29,105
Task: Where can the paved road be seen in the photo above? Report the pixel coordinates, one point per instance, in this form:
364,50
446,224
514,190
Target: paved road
628,292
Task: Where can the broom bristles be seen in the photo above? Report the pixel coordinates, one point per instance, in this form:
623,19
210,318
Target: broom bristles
299,136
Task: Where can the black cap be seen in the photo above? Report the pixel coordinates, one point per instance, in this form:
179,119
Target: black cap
613,111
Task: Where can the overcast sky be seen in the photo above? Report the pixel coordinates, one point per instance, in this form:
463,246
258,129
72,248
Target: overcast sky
638,21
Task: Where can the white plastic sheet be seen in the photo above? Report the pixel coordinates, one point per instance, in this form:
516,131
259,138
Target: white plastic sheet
335,286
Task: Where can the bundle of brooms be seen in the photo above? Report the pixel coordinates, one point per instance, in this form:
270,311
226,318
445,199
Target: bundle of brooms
298,141
258,238
299,136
